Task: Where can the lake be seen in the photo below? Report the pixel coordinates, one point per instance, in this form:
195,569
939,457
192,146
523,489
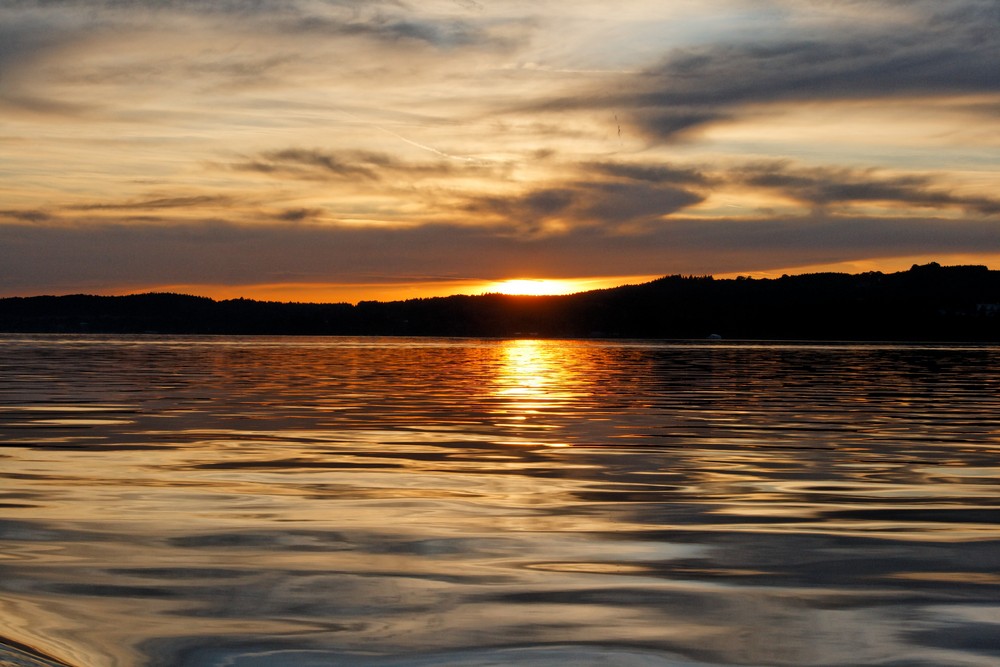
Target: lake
241,502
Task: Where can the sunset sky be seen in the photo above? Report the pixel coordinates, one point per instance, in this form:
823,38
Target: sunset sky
333,150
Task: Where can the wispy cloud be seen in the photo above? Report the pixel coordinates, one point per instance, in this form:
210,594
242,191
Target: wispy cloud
651,172
347,164
613,206
21,216
194,201
825,186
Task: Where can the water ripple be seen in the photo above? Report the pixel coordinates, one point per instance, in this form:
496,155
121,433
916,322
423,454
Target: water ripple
303,501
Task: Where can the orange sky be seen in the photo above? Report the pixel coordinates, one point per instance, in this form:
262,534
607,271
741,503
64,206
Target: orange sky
320,150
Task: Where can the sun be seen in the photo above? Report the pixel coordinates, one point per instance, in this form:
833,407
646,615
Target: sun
558,286
532,287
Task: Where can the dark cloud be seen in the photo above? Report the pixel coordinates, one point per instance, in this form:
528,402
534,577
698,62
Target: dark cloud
24,39
446,34
928,52
98,255
25,42
675,123
314,164
45,106
383,21
26,215
650,172
620,203
546,202
584,203
300,214
200,6
825,186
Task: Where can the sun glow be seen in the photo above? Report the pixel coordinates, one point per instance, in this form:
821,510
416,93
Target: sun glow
531,287
556,286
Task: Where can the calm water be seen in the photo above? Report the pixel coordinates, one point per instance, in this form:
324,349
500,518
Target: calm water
284,501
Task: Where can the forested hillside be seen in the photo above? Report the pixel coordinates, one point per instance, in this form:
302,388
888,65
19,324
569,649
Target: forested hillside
928,302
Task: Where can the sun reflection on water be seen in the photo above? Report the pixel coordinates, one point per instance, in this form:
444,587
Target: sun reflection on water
526,370
533,382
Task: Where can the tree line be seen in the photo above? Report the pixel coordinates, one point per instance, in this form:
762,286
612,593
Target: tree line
927,302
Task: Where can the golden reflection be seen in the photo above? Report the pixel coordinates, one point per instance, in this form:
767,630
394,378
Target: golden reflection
533,380
525,370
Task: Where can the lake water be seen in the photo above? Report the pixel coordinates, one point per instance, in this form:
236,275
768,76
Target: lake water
241,502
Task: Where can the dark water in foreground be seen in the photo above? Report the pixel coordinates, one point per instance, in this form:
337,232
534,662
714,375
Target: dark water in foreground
306,502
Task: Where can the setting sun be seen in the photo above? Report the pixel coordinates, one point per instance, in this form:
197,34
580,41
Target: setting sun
547,286
556,286
530,287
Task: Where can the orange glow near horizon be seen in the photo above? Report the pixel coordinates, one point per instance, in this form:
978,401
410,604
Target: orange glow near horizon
557,286
533,287
884,265
312,292
422,289
355,292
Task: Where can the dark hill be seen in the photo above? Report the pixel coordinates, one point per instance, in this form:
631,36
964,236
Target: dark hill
928,302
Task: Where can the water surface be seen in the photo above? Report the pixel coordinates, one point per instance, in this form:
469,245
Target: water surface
336,501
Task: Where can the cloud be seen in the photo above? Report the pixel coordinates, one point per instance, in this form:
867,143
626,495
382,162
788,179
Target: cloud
385,21
607,204
28,43
444,34
675,123
80,57
26,215
315,164
625,197
224,7
824,186
26,39
652,172
112,255
927,52
42,106
300,214
485,140
193,201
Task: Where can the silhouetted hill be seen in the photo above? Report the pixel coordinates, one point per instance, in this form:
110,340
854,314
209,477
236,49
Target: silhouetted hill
928,302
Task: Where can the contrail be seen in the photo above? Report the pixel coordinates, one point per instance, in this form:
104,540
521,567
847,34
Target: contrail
429,149
417,144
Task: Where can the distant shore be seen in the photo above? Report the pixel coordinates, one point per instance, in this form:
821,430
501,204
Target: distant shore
926,303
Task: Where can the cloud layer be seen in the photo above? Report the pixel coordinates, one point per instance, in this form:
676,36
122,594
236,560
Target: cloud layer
233,143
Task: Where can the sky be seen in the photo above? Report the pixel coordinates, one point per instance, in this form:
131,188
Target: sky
334,150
